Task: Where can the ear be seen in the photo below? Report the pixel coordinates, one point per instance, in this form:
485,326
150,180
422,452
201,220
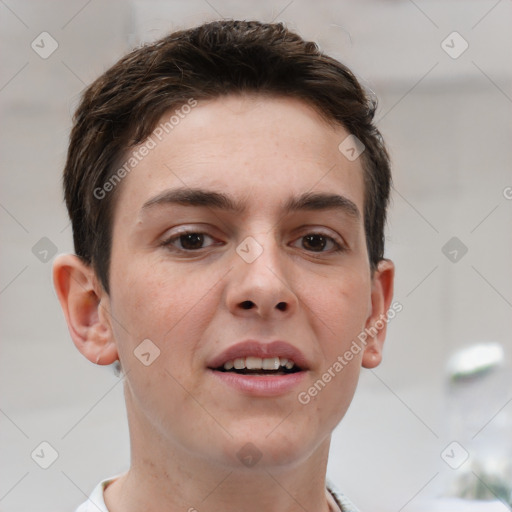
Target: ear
376,323
86,307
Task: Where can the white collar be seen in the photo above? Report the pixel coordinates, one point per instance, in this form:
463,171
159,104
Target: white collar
96,502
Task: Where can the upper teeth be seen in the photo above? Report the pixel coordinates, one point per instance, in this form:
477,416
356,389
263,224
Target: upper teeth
258,363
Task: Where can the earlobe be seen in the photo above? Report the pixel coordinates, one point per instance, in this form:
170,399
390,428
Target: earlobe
376,324
85,307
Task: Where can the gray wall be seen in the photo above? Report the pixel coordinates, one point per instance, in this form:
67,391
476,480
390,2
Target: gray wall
448,123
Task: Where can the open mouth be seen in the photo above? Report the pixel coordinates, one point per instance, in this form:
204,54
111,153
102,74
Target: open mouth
259,366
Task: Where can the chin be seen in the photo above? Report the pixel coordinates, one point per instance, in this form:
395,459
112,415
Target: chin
258,447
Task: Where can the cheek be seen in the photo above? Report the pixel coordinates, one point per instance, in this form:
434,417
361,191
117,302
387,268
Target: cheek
338,316
164,304
340,311
151,300
332,389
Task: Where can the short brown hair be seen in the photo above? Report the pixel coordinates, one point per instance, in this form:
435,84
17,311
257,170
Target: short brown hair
122,107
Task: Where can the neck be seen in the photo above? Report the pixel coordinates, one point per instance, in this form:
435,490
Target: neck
163,476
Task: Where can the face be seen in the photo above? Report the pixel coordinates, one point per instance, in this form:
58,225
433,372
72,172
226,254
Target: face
240,255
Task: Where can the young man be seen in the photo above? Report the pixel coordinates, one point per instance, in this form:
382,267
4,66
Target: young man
228,195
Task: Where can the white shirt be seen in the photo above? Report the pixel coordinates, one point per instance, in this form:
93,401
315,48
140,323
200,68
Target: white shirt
96,502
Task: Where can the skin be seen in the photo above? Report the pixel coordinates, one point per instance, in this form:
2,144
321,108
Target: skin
186,427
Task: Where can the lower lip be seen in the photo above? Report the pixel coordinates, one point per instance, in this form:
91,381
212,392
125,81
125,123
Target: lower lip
261,385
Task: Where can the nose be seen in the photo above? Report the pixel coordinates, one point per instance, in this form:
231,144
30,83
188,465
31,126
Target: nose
261,286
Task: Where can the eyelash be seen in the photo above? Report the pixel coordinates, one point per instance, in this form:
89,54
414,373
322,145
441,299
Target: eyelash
168,242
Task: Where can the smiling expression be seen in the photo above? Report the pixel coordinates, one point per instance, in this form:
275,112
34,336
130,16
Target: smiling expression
261,176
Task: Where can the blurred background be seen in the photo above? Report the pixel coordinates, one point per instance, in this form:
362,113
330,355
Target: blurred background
434,420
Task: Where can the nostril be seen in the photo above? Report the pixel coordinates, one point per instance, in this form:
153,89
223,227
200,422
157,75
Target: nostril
248,304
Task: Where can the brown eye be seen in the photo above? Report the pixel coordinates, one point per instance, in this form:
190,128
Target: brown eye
317,242
314,242
188,241
192,241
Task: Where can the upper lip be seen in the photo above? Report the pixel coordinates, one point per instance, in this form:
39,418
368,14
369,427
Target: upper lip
256,348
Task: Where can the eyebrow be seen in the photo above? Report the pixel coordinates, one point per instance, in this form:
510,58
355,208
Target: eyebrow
206,198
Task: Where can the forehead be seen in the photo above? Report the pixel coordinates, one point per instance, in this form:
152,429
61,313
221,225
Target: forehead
249,147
